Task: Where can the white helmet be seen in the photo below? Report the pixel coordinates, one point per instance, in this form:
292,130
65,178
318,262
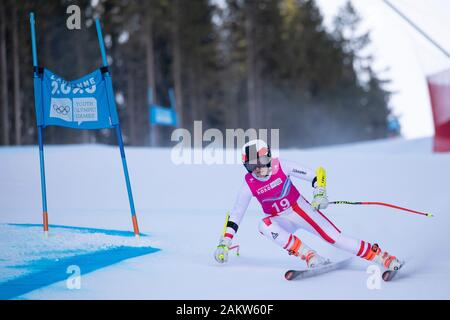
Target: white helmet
256,153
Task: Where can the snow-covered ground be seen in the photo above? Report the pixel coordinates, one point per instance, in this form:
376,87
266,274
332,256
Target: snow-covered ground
181,209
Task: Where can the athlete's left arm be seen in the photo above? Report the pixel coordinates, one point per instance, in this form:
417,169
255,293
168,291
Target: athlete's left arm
317,178
295,170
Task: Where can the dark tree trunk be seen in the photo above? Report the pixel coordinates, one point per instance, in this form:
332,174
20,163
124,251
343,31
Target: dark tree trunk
193,97
16,64
252,76
151,73
131,105
176,51
4,75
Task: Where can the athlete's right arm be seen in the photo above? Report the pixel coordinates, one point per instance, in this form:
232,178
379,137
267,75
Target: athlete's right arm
237,213
240,207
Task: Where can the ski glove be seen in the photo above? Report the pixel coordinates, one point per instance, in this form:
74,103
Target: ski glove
221,253
320,200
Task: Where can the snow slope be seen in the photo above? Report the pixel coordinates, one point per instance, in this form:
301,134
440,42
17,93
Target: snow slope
182,209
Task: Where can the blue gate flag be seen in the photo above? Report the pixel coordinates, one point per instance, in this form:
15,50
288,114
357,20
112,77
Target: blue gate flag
85,103
163,116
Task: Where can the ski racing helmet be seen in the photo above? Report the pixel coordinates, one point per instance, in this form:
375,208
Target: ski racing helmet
256,154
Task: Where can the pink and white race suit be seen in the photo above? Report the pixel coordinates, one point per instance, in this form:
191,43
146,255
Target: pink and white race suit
287,210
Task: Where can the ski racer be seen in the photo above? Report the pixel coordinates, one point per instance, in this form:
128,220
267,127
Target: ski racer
286,210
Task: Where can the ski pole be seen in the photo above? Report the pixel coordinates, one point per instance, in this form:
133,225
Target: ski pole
223,234
226,224
382,204
235,247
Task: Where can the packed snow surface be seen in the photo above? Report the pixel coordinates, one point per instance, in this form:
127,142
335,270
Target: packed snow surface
181,210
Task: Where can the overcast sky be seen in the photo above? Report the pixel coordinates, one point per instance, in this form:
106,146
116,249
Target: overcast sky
410,58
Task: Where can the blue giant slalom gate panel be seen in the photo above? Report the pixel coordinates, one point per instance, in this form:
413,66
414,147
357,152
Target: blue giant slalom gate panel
78,104
86,103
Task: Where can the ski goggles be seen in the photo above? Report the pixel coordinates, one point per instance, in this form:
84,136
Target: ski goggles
261,162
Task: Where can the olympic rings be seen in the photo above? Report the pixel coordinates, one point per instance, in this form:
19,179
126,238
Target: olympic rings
63,110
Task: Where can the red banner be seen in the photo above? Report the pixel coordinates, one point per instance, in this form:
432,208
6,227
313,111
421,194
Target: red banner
439,87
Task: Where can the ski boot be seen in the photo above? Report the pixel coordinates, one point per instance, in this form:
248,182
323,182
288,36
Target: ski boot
312,259
383,259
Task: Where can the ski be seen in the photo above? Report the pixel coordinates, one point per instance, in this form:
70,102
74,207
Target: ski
388,275
302,274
